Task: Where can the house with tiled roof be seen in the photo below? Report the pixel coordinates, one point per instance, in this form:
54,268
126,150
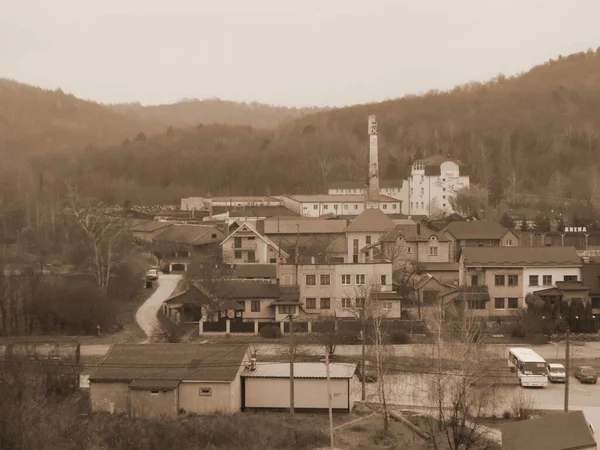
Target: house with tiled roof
415,243
510,273
145,230
366,230
428,293
247,245
478,233
152,381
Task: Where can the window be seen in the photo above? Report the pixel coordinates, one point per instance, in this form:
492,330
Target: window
325,206
346,303
335,207
205,392
273,260
387,306
325,303
513,303
499,280
315,206
355,246
237,242
513,280
433,251
411,205
346,279
422,191
287,309
394,206
360,279
422,205
255,306
243,305
444,197
409,249
547,280
474,280
411,191
570,278
384,206
509,243
311,303
499,303
345,206
251,256
533,280
360,302
595,302
383,280
213,235
444,189
355,206
237,254
368,239
311,280
251,238
476,304
355,259
325,280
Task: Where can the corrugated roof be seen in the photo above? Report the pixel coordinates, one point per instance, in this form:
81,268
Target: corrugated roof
128,362
304,226
153,384
521,256
184,234
476,229
325,198
255,271
371,220
568,431
301,370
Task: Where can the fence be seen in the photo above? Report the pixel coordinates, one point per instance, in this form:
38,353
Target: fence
214,326
299,327
241,327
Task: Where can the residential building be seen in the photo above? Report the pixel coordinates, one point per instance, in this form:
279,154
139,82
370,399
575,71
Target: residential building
333,289
568,431
414,243
367,229
178,244
143,231
265,272
508,274
339,205
160,380
247,245
432,183
446,272
565,292
428,294
478,233
267,386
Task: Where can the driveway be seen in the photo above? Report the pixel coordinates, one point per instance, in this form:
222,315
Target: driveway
146,315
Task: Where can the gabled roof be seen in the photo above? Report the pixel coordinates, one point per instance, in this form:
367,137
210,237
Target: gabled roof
301,370
439,267
184,234
470,293
521,256
425,278
476,229
255,271
571,286
247,227
568,431
149,226
412,233
134,362
338,245
304,226
370,220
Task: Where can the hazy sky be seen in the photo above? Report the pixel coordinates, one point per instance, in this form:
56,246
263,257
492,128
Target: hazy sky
297,53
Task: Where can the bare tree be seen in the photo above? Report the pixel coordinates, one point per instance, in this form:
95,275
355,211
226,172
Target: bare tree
166,330
382,353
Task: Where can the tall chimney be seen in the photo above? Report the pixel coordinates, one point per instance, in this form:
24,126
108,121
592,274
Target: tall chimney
373,187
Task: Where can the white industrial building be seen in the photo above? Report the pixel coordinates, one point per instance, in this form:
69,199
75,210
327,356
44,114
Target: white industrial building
339,205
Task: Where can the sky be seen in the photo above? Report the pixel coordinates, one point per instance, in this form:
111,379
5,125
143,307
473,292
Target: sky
282,52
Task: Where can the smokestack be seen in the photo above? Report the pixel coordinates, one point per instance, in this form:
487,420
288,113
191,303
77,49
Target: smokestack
373,188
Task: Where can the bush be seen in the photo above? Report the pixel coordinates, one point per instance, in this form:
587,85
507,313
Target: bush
399,337
270,332
507,415
519,331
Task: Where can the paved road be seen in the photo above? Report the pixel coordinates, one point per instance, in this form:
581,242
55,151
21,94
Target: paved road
146,315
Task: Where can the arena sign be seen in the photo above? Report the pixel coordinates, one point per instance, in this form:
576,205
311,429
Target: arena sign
575,230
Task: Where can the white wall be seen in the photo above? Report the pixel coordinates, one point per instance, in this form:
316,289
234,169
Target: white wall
220,399
558,274
308,393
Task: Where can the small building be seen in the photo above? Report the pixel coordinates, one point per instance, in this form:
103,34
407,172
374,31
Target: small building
478,233
569,431
446,272
247,245
366,230
145,230
415,243
266,386
160,380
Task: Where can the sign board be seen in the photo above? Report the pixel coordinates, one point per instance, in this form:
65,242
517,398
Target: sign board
575,230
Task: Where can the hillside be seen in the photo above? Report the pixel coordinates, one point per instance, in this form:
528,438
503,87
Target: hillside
191,112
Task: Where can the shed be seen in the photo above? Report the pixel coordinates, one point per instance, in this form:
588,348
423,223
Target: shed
267,386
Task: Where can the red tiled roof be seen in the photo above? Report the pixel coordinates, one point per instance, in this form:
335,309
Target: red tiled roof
371,220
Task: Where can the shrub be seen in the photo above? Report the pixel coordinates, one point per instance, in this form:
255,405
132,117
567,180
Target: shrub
518,331
399,337
507,415
270,332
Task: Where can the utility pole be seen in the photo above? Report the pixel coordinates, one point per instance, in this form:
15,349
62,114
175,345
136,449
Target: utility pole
567,367
363,395
291,316
329,399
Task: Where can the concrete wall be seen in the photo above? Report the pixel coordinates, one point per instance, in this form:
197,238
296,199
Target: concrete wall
111,397
557,273
219,400
148,405
266,312
308,393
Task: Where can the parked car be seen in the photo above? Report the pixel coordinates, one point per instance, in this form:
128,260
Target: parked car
556,373
586,374
370,372
152,275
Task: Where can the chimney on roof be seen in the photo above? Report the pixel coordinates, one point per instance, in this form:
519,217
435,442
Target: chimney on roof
419,229
252,363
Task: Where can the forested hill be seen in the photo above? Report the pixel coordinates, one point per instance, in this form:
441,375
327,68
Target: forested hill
191,112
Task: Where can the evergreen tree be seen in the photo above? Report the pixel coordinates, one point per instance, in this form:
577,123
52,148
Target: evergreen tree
507,222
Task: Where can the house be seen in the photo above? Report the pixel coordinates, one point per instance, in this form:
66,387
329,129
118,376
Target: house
327,290
145,230
565,292
310,237
445,272
340,205
160,380
415,243
428,293
478,233
247,245
568,431
178,244
366,229
266,386
432,183
510,273
590,275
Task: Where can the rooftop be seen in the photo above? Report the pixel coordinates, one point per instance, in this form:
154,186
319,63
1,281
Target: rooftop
325,198
129,362
255,271
439,266
476,229
412,233
521,256
240,199
255,211
361,185
304,226
183,234
568,431
148,226
301,370
371,220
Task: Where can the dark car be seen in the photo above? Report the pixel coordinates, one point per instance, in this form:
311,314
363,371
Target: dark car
370,372
586,374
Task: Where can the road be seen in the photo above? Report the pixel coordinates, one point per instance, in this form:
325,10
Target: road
146,315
